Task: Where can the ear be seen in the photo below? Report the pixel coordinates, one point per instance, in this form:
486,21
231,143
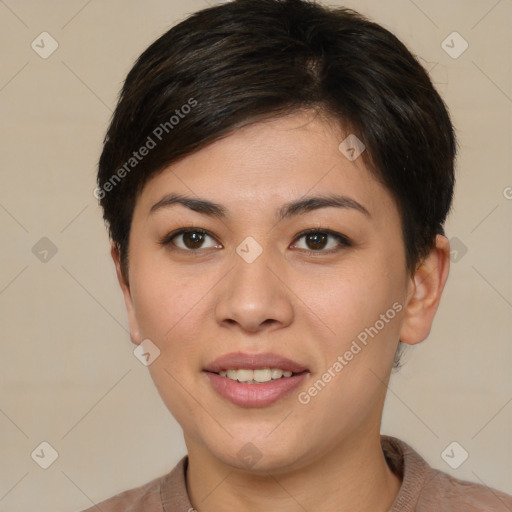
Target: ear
426,288
125,288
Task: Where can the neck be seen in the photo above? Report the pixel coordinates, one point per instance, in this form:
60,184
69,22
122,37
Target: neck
354,476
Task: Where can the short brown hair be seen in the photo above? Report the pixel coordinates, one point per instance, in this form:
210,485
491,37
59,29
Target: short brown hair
230,65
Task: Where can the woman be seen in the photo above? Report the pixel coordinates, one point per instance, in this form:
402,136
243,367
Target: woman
275,180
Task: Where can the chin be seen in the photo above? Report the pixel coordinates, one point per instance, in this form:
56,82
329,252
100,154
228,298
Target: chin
252,449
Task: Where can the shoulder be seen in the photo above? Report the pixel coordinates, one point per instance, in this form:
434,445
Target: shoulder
142,498
425,489
444,492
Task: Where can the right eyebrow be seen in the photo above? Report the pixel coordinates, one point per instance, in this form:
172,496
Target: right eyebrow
199,205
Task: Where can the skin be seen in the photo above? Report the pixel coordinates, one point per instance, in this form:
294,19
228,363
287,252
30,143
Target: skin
197,306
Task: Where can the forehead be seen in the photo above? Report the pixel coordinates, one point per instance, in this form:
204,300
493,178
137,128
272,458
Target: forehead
269,163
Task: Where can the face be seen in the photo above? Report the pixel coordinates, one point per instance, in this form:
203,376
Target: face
318,290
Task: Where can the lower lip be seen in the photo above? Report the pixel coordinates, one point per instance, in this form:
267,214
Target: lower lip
254,395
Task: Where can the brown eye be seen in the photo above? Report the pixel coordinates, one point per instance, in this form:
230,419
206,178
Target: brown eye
322,241
316,241
193,239
190,239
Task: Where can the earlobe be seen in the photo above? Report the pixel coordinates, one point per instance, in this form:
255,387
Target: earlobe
426,288
125,288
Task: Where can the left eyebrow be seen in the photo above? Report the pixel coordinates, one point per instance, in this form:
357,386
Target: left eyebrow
316,202
290,209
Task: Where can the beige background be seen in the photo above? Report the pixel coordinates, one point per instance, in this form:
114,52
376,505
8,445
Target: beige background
68,373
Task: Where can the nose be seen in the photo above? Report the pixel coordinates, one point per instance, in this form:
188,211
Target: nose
254,296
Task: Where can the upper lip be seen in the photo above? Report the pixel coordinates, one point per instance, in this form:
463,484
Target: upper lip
237,360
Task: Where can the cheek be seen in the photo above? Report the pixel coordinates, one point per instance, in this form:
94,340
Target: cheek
365,309
353,297
167,305
164,296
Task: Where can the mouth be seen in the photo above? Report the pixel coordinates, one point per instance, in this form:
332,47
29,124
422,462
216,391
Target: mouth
254,380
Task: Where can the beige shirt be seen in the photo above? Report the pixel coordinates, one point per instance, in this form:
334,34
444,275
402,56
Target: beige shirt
423,489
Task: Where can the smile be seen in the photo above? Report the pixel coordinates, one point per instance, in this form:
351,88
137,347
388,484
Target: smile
254,380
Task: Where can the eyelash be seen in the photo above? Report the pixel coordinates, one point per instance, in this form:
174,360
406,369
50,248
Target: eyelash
342,239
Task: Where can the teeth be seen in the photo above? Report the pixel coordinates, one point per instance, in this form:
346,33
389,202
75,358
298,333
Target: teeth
276,373
262,375
255,376
245,375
